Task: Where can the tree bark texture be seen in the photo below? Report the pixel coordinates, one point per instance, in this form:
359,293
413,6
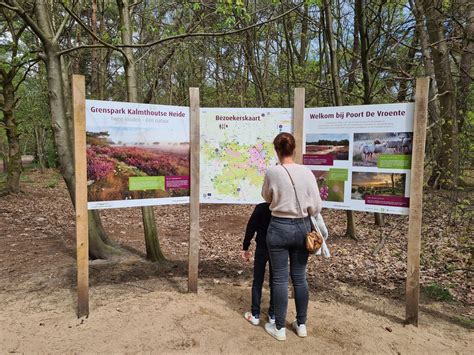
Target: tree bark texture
13,136
152,244
447,160
351,231
364,48
60,112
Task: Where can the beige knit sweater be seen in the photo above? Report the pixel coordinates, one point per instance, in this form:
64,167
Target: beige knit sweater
278,191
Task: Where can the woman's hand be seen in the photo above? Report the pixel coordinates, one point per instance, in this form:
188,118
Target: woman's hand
246,255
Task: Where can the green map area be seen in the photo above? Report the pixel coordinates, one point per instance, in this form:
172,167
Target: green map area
236,154
240,165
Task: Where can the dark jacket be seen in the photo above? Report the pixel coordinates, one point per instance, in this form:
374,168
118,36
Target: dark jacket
258,223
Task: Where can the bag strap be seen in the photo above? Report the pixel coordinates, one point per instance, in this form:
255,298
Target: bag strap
298,201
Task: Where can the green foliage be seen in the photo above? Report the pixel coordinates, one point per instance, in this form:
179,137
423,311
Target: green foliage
260,67
438,292
53,180
34,119
466,321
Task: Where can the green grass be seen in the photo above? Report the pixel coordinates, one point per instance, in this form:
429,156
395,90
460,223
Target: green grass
438,293
466,321
3,180
24,177
53,181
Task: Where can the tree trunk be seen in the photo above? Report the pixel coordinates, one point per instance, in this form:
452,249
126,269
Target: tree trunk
364,49
447,161
100,246
4,155
336,84
435,134
351,230
355,54
336,81
379,220
153,250
13,136
407,67
253,67
465,65
39,143
364,58
60,116
95,62
304,40
5,163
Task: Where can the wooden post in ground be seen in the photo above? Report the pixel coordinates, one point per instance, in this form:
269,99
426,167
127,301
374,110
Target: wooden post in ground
298,123
416,201
80,174
193,255
298,133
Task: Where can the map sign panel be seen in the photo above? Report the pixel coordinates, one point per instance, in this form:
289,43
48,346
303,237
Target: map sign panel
137,154
236,150
361,156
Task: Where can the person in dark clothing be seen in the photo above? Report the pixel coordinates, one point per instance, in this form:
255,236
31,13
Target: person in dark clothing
258,223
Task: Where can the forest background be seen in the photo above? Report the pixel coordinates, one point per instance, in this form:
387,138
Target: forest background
240,54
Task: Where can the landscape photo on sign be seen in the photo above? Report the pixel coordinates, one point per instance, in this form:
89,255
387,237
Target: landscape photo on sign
394,148
137,154
372,183
125,163
335,144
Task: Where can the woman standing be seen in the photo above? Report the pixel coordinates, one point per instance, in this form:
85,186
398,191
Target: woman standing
287,232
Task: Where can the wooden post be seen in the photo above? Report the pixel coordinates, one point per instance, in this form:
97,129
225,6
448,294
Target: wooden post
298,122
193,254
298,133
416,201
80,174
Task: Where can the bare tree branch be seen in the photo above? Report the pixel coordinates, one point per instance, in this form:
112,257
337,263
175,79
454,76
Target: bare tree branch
27,71
61,28
22,13
181,36
84,26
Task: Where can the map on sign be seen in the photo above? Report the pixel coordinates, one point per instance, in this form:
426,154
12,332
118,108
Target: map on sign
236,150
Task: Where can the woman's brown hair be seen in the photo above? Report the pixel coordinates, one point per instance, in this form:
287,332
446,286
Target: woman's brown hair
284,144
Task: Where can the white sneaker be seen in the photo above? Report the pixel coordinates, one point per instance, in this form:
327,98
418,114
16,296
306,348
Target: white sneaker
300,329
271,320
253,320
278,334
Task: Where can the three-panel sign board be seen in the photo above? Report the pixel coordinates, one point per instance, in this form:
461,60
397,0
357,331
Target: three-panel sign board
364,158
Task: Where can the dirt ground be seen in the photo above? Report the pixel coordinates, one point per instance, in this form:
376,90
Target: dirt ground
136,306
129,317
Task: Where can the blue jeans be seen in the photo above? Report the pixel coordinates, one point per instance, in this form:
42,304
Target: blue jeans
286,240
260,263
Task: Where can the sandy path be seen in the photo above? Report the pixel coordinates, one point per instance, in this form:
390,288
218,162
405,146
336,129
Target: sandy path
134,319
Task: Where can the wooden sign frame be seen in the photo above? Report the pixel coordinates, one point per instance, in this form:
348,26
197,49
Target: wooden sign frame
80,203
298,123
80,193
412,292
193,253
80,196
416,187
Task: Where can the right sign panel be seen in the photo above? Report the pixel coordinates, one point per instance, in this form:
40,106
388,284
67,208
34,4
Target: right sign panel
361,156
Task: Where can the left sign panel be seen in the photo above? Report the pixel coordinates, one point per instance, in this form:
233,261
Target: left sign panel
137,154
